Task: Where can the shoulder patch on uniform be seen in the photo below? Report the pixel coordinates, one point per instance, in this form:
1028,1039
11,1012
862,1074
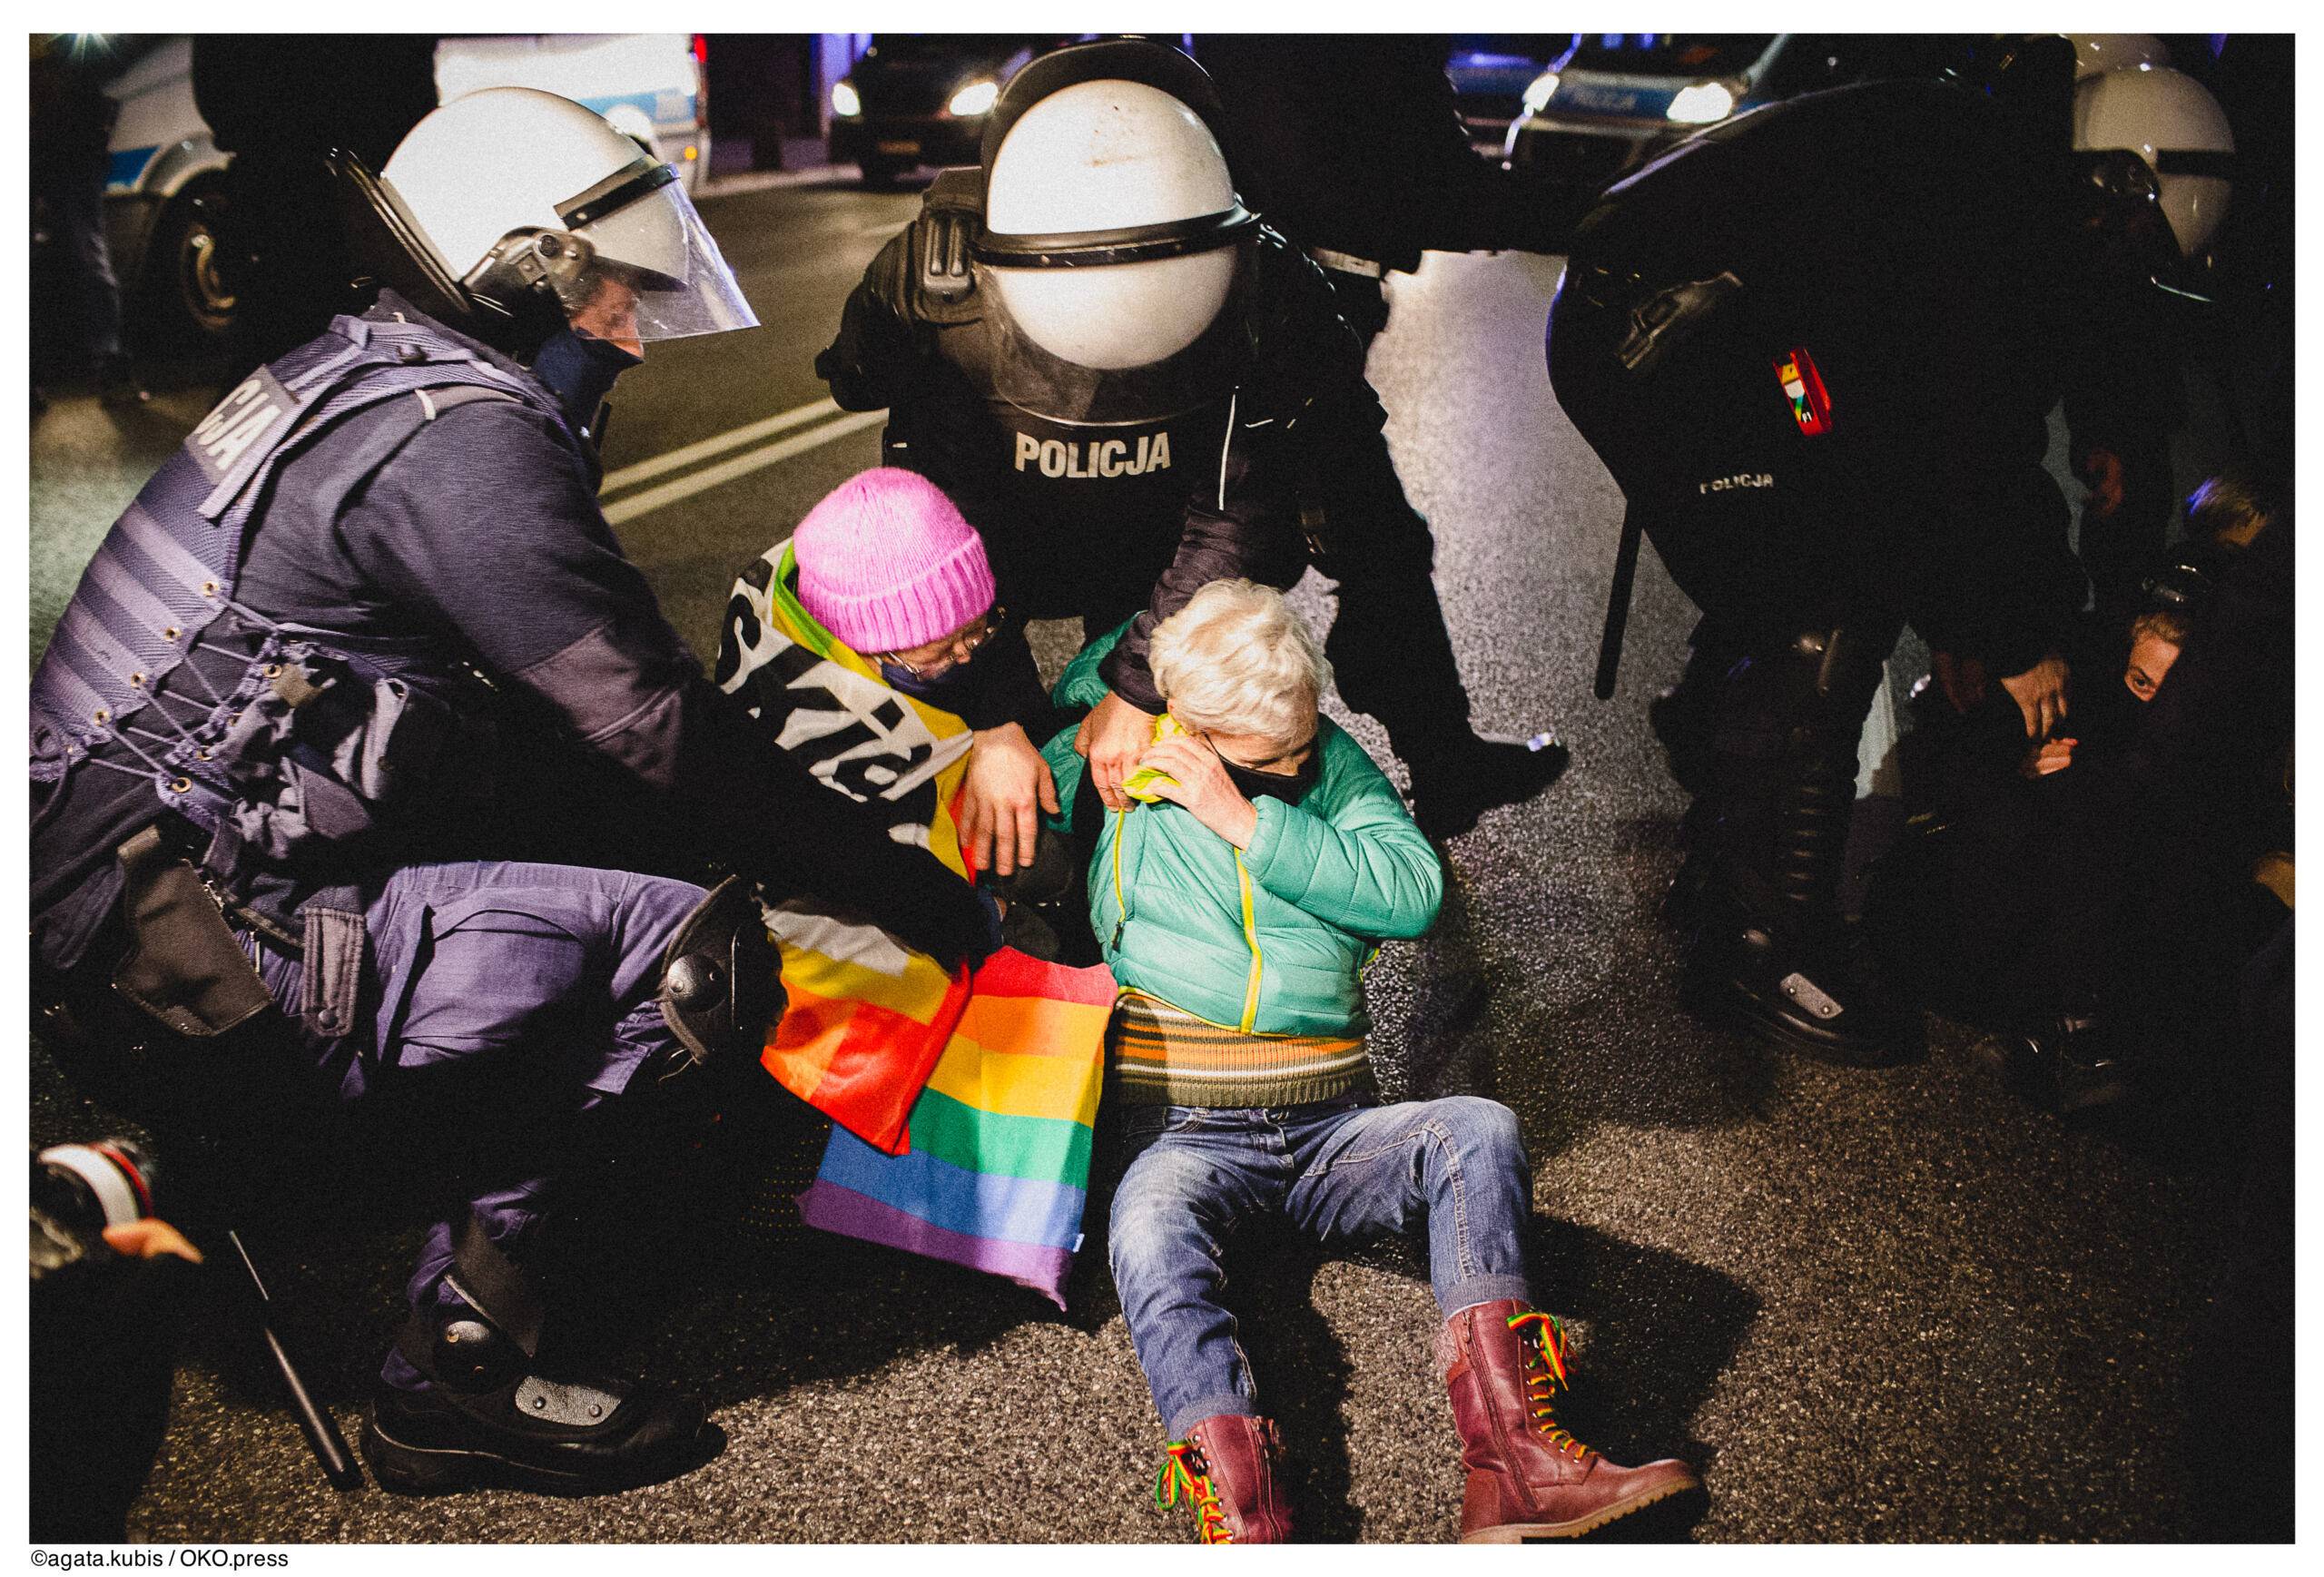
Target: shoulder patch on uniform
256,406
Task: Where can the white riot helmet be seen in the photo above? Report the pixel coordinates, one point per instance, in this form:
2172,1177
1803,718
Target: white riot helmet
2179,137
1112,241
2095,53
509,211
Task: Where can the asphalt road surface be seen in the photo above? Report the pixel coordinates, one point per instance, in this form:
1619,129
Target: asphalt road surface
1872,1305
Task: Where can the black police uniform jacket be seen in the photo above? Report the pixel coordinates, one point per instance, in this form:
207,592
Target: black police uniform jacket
415,639
1105,521
1911,241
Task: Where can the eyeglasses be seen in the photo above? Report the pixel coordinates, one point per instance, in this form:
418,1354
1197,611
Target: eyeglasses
1297,757
936,658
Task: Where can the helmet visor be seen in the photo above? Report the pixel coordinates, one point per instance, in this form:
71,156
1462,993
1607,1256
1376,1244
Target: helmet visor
1126,343
649,243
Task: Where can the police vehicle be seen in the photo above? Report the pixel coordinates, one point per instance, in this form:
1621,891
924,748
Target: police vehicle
920,98
1614,100
165,185
1490,74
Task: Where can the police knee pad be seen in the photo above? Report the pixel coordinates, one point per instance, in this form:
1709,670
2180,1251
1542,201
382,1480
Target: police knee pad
721,977
1820,678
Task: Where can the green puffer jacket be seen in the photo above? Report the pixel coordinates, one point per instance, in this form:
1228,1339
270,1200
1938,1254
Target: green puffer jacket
1270,940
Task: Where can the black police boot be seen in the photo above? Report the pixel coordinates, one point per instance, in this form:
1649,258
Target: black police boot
2074,1062
1812,988
491,1413
1454,785
487,1417
1771,951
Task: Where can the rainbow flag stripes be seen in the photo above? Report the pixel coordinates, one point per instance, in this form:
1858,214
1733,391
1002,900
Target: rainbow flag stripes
998,1170
866,1022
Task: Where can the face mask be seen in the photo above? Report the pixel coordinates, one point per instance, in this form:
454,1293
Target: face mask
1290,789
933,688
581,370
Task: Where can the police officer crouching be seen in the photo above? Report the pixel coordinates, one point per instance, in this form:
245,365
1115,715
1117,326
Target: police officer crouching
1132,388
266,834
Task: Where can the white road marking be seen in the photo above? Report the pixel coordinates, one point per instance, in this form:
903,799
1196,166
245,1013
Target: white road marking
742,465
750,432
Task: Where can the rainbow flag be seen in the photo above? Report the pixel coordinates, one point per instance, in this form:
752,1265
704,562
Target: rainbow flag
998,1171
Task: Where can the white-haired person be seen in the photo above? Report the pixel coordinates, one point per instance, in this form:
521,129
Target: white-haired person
1238,909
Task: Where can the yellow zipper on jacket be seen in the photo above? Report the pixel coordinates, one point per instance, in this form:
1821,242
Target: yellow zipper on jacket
1250,919
1251,935
1121,902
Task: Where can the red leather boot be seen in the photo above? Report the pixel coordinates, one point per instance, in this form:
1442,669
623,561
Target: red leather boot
1224,1472
1504,1364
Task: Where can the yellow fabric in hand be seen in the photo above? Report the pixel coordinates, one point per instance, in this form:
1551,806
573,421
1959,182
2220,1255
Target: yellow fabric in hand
1139,784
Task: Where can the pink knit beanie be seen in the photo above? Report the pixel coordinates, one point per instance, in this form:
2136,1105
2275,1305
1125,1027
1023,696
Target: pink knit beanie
886,562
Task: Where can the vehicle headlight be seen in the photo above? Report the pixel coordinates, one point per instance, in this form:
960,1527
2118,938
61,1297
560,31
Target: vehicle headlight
974,99
843,99
1700,105
1538,91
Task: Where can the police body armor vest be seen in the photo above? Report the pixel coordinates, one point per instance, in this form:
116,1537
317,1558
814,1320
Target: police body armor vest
313,737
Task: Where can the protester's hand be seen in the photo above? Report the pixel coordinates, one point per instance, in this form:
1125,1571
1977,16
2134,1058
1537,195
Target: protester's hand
2100,470
1195,777
1007,787
2055,756
1113,736
2040,693
150,1239
1961,679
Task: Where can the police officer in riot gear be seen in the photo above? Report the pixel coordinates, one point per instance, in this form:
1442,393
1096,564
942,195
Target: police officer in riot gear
1132,387
1818,347
265,736
2160,138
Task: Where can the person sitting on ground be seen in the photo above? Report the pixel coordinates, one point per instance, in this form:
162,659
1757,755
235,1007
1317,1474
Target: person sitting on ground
886,564
2052,903
2156,637
1238,909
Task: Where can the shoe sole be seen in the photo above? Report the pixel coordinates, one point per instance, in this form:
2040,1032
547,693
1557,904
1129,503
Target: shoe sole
1525,1533
421,1470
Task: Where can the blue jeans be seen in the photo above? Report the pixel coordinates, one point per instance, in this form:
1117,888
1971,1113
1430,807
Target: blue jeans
1338,1169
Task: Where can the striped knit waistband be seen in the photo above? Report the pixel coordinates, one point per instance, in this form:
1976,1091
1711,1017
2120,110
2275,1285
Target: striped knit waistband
1165,1056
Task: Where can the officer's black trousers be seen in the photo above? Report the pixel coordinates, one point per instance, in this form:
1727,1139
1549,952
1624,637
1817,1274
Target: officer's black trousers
1390,650
1788,715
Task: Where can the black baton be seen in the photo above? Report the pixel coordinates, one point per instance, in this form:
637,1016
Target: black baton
1618,606
317,1426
